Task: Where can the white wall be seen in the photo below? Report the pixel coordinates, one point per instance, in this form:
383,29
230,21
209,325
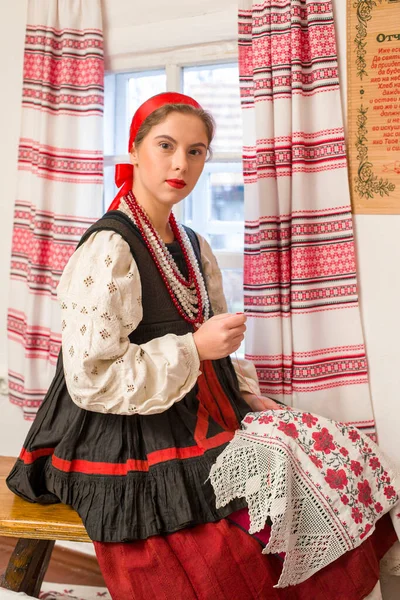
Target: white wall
165,25
377,237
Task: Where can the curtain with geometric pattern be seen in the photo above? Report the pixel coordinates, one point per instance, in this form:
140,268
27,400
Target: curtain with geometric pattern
60,177
303,330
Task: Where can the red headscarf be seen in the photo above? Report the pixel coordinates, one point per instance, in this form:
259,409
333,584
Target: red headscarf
124,171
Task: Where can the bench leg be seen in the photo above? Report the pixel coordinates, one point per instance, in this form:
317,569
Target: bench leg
27,566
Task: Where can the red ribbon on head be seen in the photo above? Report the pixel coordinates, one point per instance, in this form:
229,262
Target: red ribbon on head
124,171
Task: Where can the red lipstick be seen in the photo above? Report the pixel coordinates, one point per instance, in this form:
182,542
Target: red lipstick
176,183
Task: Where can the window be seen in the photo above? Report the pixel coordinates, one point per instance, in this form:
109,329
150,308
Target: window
215,207
123,93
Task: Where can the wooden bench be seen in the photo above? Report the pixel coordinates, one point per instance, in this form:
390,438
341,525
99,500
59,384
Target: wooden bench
37,528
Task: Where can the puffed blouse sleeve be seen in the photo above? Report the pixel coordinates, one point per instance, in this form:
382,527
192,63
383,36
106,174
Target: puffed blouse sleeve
245,369
100,298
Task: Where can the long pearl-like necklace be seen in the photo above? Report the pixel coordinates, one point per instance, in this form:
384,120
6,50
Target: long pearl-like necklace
189,296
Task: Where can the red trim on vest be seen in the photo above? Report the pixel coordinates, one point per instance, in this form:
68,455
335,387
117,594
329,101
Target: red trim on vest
202,424
29,457
98,468
213,396
212,402
103,468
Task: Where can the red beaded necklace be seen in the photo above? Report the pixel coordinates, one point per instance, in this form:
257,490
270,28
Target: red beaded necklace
140,216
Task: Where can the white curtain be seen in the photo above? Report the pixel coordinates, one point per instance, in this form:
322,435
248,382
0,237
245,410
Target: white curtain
300,282
60,176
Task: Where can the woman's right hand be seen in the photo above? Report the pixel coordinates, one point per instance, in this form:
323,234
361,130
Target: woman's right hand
220,336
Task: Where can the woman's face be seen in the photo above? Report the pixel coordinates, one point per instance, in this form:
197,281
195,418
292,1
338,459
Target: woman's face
170,159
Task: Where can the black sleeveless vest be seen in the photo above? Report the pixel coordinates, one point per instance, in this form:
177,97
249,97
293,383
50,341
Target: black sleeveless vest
160,315
133,476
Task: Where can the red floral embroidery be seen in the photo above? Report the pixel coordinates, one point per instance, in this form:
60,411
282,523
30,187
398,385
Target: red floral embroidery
354,436
248,419
323,441
389,492
364,493
355,482
309,420
356,467
368,528
374,463
336,479
266,419
357,515
317,462
289,429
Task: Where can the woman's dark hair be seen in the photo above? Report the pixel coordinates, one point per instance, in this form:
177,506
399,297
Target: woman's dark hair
159,115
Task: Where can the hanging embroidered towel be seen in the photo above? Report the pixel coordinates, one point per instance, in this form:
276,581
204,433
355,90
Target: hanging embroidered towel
322,483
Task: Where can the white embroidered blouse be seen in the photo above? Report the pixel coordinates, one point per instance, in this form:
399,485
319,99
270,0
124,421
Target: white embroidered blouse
100,298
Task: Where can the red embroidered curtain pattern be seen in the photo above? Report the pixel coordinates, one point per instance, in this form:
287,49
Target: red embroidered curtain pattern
60,176
300,284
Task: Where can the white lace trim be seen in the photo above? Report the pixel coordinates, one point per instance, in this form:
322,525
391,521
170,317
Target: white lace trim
274,473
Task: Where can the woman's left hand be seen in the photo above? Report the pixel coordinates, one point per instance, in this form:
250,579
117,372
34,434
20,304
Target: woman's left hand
259,403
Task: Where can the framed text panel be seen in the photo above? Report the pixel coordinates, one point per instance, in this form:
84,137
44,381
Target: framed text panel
373,100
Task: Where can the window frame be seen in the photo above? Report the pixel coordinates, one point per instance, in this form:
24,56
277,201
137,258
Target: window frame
173,62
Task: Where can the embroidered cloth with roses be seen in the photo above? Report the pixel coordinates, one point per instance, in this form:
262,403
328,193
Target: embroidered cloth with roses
323,485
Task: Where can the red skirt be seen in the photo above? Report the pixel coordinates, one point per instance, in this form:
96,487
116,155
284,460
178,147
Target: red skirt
220,561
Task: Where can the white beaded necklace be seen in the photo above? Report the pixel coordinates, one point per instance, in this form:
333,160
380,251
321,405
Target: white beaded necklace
185,293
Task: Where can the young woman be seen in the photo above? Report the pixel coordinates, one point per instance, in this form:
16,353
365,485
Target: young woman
145,395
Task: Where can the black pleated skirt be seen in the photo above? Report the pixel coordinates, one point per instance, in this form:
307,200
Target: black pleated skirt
131,477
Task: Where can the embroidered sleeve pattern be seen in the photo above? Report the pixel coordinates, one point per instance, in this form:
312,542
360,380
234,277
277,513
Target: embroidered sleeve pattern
100,298
245,370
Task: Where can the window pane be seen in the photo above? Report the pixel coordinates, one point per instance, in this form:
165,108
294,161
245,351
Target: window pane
216,205
233,242
233,288
110,189
216,88
109,114
227,196
141,86
131,90
188,209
